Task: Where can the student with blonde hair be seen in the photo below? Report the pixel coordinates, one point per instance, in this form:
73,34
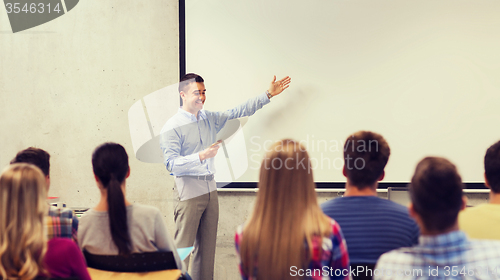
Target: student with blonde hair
24,250
287,235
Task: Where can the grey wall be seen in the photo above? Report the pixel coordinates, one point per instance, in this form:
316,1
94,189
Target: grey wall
66,87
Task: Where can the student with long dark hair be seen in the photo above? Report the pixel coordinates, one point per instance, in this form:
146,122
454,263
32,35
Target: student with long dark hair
115,225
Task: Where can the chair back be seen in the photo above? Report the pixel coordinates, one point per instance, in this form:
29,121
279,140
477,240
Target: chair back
137,262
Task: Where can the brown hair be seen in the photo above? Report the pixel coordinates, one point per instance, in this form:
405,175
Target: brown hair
365,156
36,156
286,214
22,210
492,167
436,193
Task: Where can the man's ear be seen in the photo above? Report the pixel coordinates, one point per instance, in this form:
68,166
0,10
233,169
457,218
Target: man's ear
381,176
411,210
464,203
486,183
344,171
97,179
182,94
47,182
128,173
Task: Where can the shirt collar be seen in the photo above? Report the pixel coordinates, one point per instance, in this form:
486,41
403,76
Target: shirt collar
443,240
202,115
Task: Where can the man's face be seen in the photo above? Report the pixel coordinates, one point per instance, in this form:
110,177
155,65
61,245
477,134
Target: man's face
193,98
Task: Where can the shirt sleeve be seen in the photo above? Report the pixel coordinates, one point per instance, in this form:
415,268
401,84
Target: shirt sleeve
243,110
64,259
340,257
170,144
78,264
237,239
164,242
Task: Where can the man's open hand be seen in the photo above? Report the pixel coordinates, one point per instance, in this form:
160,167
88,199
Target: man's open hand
277,87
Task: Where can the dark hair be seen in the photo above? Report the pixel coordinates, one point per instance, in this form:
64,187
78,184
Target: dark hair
436,193
492,167
110,165
35,156
365,156
188,79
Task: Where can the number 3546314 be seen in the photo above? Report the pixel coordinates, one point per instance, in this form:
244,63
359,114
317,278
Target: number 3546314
33,8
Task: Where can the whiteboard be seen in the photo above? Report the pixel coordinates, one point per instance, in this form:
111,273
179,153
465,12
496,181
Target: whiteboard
425,74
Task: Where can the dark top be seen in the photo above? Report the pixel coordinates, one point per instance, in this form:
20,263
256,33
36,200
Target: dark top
372,226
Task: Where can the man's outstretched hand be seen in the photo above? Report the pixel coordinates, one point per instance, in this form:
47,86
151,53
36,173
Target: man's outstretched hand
277,87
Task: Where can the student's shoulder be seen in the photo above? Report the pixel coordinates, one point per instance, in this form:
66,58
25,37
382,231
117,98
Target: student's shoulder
392,205
90,216
404,256
62,245
143,210
334,202
483,245
61,212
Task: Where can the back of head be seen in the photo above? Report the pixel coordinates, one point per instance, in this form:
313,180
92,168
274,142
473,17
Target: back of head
365,156
286,174
492,167
22,210
286,213
436,193
110,165
35,156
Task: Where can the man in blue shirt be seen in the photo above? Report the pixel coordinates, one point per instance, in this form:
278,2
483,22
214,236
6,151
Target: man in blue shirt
189,145
371,225
444,251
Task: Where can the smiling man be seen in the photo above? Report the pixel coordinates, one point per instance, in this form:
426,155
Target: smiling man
189,145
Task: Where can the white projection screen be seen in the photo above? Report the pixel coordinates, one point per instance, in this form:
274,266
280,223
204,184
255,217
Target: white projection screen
423,73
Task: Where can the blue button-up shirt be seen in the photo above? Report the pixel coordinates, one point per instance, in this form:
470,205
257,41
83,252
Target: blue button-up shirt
446,256
183,136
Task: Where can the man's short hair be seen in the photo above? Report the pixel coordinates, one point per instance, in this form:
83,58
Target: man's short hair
188,79
35,156
365,156
436,193
492,167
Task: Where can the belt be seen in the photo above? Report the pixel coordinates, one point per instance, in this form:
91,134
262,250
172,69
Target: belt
208,177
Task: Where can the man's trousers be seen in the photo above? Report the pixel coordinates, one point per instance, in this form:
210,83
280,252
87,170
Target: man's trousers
196,222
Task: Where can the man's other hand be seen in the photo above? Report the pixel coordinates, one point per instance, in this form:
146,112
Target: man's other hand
210,152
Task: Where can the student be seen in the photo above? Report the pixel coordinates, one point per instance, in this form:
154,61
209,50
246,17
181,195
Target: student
24,250
116,226
371,225
61,222
483,221
444,251
287,234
